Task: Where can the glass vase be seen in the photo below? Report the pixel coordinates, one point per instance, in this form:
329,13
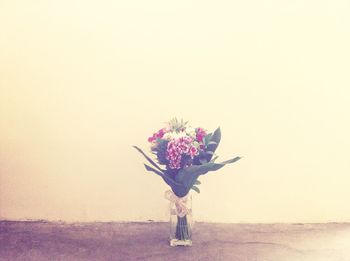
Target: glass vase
181,221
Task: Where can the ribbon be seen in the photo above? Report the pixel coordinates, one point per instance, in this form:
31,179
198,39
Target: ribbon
180,203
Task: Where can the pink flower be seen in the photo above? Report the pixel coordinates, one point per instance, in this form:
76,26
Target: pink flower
151,139
200,134
161,133
158,135
193,152
176,148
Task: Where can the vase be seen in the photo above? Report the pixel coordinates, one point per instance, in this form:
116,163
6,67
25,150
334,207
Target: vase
181,219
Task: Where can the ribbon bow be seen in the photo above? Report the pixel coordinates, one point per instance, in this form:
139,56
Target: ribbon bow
180,203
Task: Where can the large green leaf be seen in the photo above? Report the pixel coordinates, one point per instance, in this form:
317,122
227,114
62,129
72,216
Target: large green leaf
207,138
212,143
189,175
172,183
148,158
178,188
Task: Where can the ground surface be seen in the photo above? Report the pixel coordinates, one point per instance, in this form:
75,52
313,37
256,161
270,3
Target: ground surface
148,241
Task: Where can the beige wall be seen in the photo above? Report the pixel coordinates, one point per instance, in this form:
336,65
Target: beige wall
83,81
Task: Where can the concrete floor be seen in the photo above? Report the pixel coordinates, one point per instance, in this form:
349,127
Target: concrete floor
148,241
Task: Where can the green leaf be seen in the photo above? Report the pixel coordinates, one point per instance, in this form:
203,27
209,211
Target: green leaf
231,160
197,182
207,138
189,175
148,168
214,158
203,161
166,178
213,143
148,158
196,189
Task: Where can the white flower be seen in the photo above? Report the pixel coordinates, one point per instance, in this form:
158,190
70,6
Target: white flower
167,136
191,132
174,135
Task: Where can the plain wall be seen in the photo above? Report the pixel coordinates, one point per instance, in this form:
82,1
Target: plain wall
83,81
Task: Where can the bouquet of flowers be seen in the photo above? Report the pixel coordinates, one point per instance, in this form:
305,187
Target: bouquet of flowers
185,153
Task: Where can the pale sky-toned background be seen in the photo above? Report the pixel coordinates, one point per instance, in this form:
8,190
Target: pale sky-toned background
83,81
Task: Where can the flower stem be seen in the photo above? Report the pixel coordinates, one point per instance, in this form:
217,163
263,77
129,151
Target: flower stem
182,229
